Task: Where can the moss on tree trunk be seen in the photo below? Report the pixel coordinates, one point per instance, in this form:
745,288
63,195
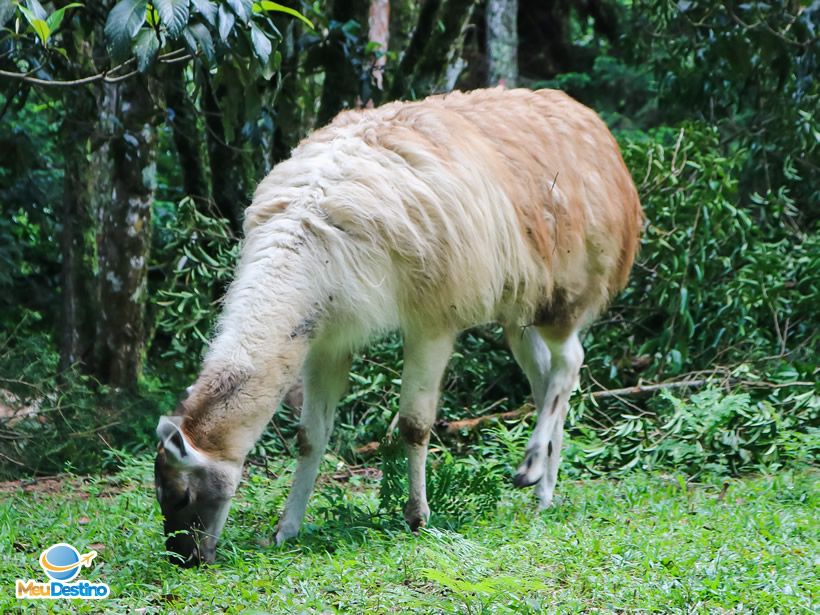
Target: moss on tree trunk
125,236
502,42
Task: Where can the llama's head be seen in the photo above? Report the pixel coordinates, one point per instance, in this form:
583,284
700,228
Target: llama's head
194,492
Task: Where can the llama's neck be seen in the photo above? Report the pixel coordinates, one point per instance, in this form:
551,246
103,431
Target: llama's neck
263,339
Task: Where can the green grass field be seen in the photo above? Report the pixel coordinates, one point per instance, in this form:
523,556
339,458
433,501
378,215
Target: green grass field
645,543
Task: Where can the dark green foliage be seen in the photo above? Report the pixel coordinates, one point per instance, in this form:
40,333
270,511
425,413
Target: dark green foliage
393,485
121,28
135,28
482,377
749,68
715,107
702,256
197,254
715,281
173,14
624,95
30,183
458,488
146,47
462,489
713,431
714,286
55,422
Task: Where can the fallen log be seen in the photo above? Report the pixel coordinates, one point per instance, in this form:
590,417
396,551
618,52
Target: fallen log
445,427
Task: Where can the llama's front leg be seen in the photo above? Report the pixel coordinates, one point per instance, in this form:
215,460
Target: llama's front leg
325,380
545,487
533,356
540,466
425,359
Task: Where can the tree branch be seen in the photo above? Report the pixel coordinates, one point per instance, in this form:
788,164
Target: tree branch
444,427
171,57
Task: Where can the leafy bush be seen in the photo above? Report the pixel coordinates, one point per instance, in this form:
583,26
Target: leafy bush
718,290
713,431
482,377
726,285
714,281
458,488
749,69
196,254
53,422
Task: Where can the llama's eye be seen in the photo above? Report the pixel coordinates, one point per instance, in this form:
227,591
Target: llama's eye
184,500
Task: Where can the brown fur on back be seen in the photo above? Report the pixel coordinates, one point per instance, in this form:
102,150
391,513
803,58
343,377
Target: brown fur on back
547,144
560,167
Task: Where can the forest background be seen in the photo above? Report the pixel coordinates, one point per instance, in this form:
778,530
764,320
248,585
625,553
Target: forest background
132,135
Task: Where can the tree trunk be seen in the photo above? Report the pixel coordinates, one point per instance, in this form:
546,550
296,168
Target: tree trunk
75,208
502,42
125,236
232,172
341,85
183,118
412,54
378,33
76,333
286,103
432,61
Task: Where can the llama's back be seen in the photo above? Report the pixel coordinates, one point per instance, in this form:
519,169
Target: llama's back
490,205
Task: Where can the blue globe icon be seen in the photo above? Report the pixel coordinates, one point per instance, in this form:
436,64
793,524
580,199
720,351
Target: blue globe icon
61,562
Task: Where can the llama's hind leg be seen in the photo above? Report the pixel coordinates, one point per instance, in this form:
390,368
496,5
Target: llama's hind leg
572,354
533,356
425,359
325,380
540,466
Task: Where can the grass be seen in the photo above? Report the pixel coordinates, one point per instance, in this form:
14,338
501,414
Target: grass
645,543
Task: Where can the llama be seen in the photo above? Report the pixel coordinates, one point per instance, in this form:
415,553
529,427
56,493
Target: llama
428,217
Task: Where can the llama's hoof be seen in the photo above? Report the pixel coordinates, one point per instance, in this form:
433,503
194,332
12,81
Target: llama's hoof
531,470
550,502
416,516
284,532
522,479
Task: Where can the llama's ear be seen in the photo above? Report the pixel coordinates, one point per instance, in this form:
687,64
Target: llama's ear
175,442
